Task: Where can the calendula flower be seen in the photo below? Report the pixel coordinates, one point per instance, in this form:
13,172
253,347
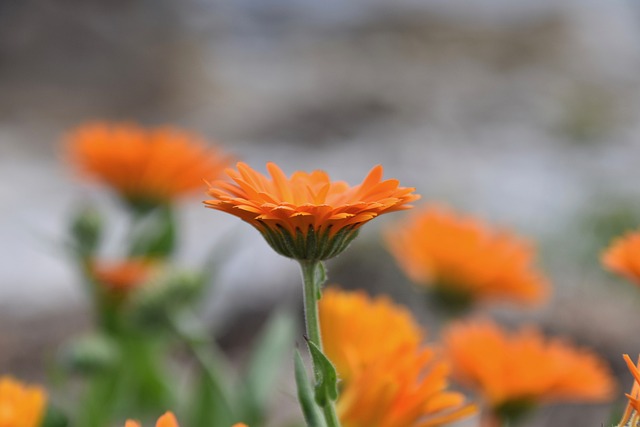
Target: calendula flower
402,384
354,324
464,261
623,257
122,277
21,405
167,420
146,167
514,372
306,216
632,413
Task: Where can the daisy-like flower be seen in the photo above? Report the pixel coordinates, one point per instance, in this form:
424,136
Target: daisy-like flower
306,216
167,420
463,261
21,405
391,382
514,372
120,278
632,413
623,257
146,167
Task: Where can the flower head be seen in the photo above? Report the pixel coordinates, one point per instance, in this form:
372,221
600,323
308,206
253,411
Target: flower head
516,371
306,216
632,412
21,405
146,167
120,278
167,420
464,261
387,378
623,257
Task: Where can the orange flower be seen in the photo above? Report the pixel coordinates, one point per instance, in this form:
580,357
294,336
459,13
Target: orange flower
122,277
354,323
514,372
306,216
465,261
21,405
634,396
146,167
623,257
167,420
387,379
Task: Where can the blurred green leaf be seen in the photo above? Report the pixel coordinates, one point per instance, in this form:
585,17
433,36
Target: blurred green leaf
54,417
154,235
275,341
208,404
91,354
86,230
308,404
326,387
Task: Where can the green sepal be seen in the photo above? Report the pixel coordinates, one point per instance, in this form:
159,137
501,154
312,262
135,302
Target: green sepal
326,387
308,404
310,244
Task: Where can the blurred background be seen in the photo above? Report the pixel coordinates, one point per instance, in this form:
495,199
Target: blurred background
525,113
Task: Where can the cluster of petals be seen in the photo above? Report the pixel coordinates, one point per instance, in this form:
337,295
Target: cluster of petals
168,420
455,254
122,277
306,200
154,165
524,366
390,382
632,412
21,405
623,256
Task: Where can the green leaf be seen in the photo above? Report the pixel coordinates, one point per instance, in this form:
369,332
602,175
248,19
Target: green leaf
263,369
326,387
154,235
309,407
206,407
54,418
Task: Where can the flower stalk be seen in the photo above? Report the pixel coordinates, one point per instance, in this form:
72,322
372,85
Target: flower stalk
313,275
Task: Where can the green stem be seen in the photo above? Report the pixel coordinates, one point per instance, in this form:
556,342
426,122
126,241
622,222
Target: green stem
312,323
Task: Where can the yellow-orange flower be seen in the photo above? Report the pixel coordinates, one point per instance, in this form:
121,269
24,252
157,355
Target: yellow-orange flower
167,420
623,257
306,216
391,382
515,371
632,412
146,167
21,405
359,328
464,261
120,278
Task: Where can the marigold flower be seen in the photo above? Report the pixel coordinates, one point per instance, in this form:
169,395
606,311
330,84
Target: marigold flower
464,261
632,412
513,372
623,256
400,384
354,323
167,420
120,278
146,167
21,405
306,216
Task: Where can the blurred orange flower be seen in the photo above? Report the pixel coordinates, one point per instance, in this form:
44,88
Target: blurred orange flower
306,216
464,261
167,420
632,412
146,167
354,323
400,384
623,256
513,372
120,278
21,405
